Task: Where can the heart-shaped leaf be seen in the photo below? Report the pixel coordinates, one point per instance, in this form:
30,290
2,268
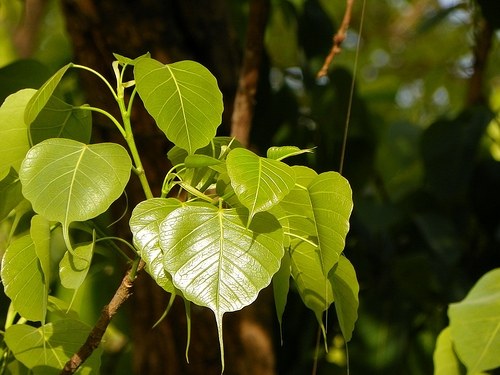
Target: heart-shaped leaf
183,98
69,181
345,290
215,260
42,96
46,349
258,182
145,226
14,141
61,120
475,324
23,279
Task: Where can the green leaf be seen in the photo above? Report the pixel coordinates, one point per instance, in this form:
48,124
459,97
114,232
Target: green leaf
74,267
282,152
42,96
200,161
445,359
128,61
281,285
314,287
215,260
23,280
475,324
145,226
258,182
22,74
61,120
183,98
69,181
46,349
40,234
345,290
14,141
10,193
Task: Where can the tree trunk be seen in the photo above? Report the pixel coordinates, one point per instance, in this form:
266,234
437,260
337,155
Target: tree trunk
171,31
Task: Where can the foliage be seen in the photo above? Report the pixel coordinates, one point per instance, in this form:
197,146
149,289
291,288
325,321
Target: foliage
216,236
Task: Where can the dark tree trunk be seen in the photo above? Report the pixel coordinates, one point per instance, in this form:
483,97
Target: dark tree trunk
171,31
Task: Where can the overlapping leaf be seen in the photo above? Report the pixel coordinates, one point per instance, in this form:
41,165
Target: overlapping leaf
46,349
215,260
69,181
74,266
345,290
183,98
145,225
475,324
258,182
10,193
14,141
61,120
42,96
445,359
23,279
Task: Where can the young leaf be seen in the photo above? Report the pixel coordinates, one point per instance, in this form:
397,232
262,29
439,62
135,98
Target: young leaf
128,61
145,226
445,359
74,267
42,96
10,193
215,260
23,279
69,181
283,152
61,120
183,98
258,182
345,290
475,324
46,349
14,141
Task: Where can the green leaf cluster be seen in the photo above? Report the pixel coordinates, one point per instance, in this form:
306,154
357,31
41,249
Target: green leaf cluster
228,222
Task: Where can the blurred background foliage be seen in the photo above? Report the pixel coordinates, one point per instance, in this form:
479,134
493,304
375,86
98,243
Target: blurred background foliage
422,157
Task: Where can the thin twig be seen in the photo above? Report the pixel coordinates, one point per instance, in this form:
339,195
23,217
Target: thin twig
241,120
338,39
94,338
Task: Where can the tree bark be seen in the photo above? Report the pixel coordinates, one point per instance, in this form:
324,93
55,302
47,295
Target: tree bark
171,31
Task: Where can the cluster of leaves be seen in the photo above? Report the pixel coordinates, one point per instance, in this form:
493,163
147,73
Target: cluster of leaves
227,224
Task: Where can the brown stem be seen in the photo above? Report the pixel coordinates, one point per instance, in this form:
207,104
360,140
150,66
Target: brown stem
94,338
241,120
484,37
338,39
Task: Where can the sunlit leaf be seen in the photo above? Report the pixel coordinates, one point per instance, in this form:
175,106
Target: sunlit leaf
259,183
46,349
200,161
61,120
42,96
14,141
69,181
183,98
23,279
128,61
445,359
283,152
345,290
145,226
10,193
475,324
215,260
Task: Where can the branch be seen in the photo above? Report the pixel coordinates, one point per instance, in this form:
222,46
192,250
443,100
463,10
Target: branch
94,338
338,39
241,120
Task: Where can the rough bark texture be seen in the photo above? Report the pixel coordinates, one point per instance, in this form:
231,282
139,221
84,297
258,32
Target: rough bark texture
170,30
